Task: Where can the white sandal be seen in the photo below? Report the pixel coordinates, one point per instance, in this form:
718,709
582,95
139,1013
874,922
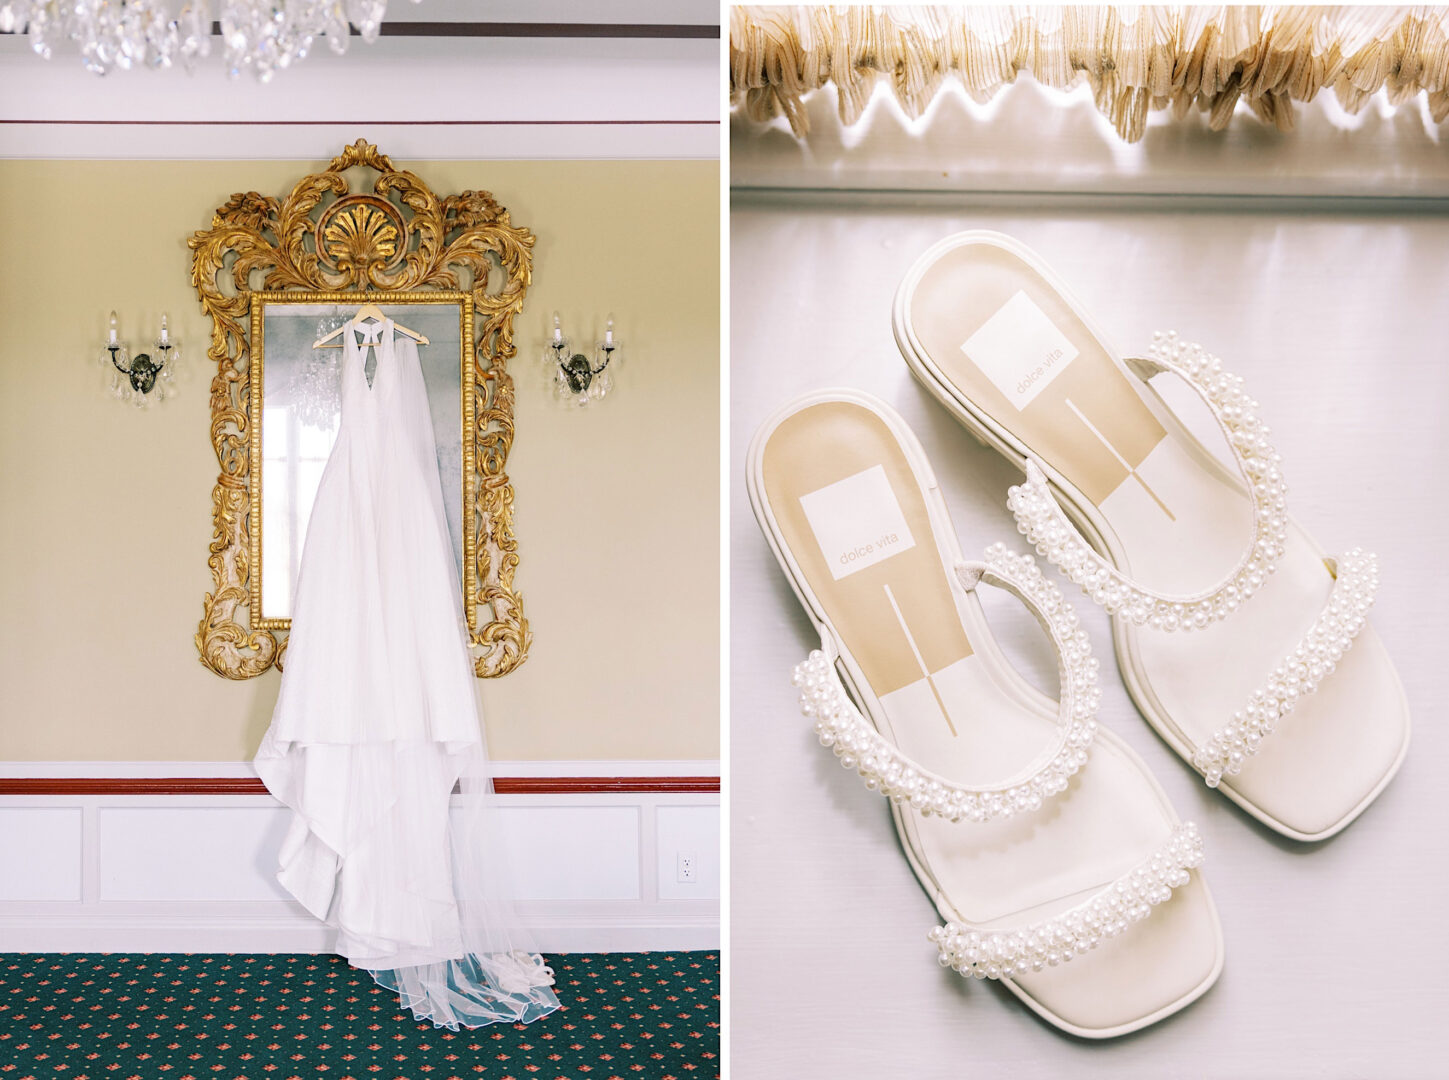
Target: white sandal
1288,703
1070,882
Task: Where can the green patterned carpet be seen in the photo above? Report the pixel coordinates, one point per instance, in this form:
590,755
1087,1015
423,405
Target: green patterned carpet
85,1016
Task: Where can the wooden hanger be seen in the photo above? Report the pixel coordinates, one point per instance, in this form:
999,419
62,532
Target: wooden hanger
367,311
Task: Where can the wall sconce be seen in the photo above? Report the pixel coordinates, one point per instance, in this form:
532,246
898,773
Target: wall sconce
145,377
578,380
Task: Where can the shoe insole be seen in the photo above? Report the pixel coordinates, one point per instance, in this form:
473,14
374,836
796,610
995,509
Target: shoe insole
1013,345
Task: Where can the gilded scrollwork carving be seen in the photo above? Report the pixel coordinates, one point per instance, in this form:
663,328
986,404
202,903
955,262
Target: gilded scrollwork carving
323,237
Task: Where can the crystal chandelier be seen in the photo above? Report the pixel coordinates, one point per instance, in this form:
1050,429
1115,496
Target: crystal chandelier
261,35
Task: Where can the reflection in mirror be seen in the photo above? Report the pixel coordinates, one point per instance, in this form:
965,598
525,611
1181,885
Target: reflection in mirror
301,412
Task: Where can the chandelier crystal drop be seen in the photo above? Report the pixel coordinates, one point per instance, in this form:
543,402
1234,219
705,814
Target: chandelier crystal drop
262,36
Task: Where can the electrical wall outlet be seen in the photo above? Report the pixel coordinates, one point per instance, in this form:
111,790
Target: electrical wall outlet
686,867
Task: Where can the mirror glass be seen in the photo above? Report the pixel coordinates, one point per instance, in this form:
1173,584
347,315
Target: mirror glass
301,409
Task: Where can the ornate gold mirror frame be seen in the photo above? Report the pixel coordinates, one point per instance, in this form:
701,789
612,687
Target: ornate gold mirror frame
326,238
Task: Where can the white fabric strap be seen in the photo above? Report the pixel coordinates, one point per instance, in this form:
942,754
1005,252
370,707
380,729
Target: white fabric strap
883,767
1001,954
1317,655
1045,525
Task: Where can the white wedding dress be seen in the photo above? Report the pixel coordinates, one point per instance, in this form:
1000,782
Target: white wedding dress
376,722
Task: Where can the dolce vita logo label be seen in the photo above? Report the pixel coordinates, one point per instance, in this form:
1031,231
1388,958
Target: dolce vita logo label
857,522
1027,381
1020,349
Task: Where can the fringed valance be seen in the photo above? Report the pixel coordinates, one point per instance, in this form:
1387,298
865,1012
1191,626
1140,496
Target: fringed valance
1134,58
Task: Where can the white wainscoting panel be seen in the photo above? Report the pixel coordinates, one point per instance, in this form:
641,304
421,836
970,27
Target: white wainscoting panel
40,853
164,852
196,872
688,831
592,851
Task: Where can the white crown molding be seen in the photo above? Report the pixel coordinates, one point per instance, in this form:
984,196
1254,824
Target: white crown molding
525,98
402,140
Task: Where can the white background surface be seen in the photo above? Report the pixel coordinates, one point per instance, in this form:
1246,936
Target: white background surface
1031,138
1337,953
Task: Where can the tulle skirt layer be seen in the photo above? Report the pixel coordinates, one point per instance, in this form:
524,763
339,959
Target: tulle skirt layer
497,976
476,989
415,883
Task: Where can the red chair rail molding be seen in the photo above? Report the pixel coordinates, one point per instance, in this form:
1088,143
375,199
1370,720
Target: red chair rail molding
250,785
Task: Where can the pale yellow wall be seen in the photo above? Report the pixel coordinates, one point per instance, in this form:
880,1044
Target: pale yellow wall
107,510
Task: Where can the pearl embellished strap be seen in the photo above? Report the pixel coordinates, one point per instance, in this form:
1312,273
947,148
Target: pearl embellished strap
883,767
1001,954
1045,525
1331,635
